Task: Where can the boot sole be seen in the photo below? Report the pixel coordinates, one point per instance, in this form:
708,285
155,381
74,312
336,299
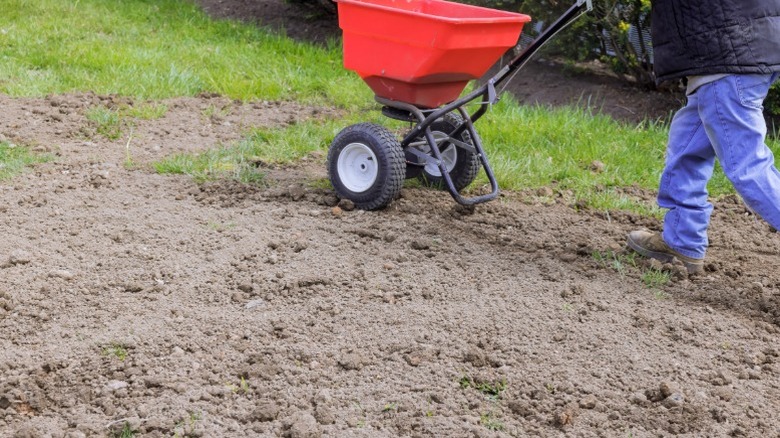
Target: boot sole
660,256
665,257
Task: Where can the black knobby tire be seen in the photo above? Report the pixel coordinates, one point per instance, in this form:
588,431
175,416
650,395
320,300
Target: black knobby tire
366,165
463,165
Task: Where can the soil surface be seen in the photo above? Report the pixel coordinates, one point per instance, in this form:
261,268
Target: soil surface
133,301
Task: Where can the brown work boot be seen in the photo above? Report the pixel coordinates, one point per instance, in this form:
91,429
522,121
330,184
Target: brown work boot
652,245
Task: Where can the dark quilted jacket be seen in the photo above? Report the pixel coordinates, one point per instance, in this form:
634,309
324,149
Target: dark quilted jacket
696,37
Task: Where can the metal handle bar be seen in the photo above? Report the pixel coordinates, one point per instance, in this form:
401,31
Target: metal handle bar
577,9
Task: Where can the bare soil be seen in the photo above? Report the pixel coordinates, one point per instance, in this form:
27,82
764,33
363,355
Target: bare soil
134,300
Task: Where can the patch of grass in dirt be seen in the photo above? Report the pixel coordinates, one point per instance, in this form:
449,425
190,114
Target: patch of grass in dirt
126,431
161,49
147,111
361,412
655,278
240,160
220,226
213,164
287,145
319,183
390,407
129,162
619,262
115,349
611,199
113,122
491,390
660,295
187,426
241,388
106,121
14,159
490,422
214,111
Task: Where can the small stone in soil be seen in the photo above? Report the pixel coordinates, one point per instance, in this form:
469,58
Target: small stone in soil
589,402
346,205
62,273
674,400
254,303
19,257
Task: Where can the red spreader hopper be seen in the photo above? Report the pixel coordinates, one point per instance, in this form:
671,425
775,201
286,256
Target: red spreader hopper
423,52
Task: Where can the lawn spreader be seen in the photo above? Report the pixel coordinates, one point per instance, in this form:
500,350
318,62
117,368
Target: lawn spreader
418,56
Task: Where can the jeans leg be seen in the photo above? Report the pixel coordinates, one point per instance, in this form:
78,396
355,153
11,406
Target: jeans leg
731,109
690,160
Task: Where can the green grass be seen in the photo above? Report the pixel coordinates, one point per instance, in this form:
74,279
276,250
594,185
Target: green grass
114,122
107,121
226,162
490,422
239,160
14,159
534,146
390,407
147,111
125,432
618,262
655,278
157,49
492,390
529,147
115,350
186,426
151,50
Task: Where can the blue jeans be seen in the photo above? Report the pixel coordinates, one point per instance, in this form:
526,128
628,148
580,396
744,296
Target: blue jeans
723,120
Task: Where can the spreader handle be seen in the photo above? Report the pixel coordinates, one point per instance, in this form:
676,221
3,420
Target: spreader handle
564,20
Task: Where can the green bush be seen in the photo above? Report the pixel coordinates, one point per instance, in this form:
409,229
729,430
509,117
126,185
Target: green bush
772,103
602,33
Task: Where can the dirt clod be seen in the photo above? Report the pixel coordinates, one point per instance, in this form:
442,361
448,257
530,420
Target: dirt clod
266,410
301,425
588,402
346,205
566,416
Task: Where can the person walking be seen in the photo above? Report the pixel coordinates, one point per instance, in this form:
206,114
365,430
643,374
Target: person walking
729,51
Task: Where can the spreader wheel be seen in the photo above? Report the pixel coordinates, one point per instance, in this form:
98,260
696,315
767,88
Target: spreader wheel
463,165
366,165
